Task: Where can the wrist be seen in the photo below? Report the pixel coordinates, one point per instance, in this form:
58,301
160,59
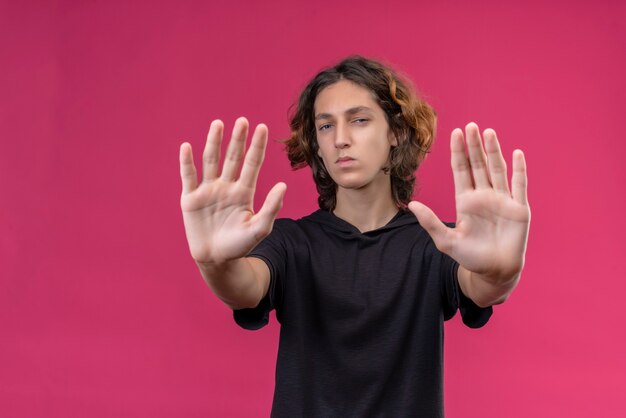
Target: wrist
500,278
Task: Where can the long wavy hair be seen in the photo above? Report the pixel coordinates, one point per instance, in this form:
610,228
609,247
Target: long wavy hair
411,120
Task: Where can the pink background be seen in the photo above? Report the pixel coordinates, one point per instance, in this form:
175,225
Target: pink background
102,311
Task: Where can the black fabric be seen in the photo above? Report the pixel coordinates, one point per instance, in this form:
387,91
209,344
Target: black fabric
361,317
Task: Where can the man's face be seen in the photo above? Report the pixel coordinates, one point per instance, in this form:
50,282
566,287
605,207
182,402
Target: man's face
353,135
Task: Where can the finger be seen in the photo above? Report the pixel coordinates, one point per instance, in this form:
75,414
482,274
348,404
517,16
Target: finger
460,164
187,168
437,230
496,163
235,151
211,154
519,180
264,219
477,158
254,157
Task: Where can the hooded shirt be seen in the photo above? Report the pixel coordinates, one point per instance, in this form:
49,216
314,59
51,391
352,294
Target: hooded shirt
361,317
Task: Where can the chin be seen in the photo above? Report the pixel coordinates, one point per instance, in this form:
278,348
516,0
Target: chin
358,182
352,185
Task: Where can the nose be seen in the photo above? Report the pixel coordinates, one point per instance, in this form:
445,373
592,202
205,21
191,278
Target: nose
342,137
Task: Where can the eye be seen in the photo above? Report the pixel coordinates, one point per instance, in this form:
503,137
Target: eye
360,121
324,127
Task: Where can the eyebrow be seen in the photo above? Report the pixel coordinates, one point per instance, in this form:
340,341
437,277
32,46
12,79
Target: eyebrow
348,112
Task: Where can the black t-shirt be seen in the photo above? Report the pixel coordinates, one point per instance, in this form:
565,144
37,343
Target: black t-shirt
361,317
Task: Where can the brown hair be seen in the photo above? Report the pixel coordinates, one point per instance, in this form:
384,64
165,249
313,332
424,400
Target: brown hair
410,119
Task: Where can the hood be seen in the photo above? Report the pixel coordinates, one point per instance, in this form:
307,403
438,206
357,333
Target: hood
329,220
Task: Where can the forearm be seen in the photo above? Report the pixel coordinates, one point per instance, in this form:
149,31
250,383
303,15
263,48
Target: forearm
486,290
239,283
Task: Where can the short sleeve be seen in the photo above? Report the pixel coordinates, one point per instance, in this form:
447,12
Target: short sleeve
272,250
453,298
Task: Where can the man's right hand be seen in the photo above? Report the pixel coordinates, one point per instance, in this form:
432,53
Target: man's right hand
220,222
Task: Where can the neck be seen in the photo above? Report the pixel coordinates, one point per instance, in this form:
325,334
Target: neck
368,208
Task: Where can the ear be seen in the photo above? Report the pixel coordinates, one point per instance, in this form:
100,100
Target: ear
393,141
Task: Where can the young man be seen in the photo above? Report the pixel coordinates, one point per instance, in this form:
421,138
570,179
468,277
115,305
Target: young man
362,286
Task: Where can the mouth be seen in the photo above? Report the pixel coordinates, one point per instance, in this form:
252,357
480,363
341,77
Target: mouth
344,161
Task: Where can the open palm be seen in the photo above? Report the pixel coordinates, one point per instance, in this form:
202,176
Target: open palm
218,214
492,221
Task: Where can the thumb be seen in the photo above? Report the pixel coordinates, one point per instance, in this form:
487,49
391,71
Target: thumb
273,203
437,230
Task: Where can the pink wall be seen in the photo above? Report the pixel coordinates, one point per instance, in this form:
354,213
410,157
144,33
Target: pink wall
102,312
